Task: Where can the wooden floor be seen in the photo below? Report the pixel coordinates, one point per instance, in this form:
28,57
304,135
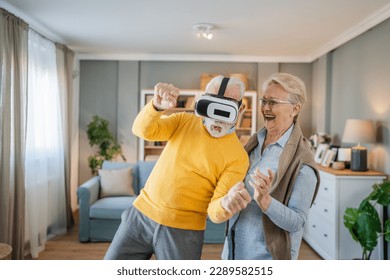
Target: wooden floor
68,247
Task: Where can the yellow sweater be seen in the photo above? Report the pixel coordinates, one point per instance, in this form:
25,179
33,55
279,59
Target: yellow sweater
193,173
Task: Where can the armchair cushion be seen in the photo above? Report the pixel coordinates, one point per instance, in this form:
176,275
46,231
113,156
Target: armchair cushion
116,182
110,165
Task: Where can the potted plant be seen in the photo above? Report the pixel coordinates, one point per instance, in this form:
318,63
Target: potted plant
364,224
99,134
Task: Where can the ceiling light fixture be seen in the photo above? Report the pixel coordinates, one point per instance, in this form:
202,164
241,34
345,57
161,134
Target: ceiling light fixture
204,30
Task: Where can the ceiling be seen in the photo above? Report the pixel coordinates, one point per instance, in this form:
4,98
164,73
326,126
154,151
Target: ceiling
246,30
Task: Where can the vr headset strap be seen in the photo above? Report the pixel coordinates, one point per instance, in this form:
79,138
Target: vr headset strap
223,86
222,89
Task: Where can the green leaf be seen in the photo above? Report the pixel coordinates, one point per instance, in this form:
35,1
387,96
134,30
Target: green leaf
382,195
366,230
350,217
373,216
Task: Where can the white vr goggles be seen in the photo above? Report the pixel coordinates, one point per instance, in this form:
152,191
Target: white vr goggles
218,107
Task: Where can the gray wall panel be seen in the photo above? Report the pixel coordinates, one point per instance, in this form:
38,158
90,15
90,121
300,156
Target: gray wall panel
98,96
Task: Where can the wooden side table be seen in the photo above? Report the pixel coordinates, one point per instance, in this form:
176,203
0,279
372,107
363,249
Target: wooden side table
5,251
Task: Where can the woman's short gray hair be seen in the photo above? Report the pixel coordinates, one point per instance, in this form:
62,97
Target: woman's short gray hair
213,85
292,84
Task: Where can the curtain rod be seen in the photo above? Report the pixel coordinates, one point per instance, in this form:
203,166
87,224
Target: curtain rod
32,23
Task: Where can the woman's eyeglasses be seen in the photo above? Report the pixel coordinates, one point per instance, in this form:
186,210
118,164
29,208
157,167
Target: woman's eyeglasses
272,102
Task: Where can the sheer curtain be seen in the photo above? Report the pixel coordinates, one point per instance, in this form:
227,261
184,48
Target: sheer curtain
13,86
44,165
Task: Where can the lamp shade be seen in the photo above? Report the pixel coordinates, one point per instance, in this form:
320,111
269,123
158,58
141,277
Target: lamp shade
344,154
358,131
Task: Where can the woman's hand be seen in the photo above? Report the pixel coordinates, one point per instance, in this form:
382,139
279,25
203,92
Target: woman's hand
261,184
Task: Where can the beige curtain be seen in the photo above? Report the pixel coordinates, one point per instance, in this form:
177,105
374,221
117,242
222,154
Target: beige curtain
13,94
65,59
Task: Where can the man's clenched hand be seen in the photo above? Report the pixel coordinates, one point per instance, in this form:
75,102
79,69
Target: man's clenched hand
165,96
236,199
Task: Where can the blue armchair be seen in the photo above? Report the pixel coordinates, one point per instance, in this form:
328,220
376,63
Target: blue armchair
99,218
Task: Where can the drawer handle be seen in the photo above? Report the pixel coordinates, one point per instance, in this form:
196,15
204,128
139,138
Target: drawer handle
325,210
313,226
325,235
326,189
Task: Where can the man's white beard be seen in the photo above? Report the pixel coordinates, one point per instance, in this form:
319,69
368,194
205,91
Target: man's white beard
217,129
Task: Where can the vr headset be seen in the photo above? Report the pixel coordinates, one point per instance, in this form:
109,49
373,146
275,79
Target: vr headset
218,107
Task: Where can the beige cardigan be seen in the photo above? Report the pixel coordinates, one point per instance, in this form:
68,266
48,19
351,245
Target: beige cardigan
296,153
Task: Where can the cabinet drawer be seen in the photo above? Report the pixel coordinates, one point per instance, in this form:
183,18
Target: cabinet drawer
322,234
324,209
327,187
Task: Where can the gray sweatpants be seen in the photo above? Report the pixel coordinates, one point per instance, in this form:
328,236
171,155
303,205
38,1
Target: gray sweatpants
138,238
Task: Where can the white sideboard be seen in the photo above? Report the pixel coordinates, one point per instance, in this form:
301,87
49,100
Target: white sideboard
325,231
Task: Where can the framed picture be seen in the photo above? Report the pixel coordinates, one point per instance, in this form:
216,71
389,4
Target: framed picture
320,153
335,150
328,158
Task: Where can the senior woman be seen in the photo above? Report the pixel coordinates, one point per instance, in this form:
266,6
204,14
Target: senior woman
281,183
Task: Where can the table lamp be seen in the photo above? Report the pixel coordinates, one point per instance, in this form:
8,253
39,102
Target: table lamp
358,131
